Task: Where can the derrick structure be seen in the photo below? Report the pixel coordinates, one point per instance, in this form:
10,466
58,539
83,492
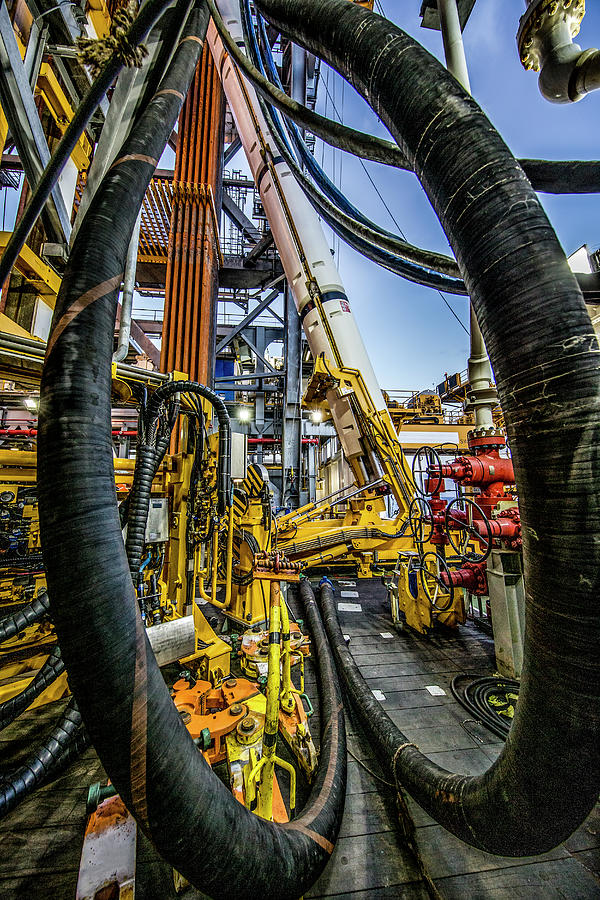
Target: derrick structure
172,505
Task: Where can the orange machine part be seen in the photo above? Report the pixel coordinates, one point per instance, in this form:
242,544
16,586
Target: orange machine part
193,257
218,709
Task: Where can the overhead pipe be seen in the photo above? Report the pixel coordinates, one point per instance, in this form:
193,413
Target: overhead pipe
545,41
524,294
120,354
191,817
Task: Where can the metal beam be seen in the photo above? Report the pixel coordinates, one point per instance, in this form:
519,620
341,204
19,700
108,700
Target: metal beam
291,442
254,376
258,353
36,46
234,276
257,251
238,182
231,150
246,321
25,126
240,219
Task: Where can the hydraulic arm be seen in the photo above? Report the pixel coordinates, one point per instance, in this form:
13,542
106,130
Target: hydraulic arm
344,379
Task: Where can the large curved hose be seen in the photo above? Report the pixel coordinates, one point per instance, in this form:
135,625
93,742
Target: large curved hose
193,820
64,742
49,672
32,612
545,357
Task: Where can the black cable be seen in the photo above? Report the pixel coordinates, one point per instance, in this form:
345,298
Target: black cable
149,13
475,697
35,610
49,672
64,742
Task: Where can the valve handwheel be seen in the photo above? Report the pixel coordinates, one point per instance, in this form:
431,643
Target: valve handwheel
467,529
433,567
420,519
423,461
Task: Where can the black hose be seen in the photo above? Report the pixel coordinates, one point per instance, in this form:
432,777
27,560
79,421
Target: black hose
49,672
421,266
545,357
35,610
475,697
224,465
63,744
334,133
150,12
139,504
563,176
192,818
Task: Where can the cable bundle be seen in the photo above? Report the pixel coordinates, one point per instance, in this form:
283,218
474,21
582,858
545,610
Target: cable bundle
490,699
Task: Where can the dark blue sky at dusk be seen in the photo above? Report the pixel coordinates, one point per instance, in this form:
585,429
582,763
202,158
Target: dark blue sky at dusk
410,334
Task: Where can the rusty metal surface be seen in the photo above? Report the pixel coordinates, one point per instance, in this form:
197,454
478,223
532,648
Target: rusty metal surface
193,254
108,856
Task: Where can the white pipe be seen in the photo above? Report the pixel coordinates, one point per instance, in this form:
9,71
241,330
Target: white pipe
545,38
172,640
122,350
482,394
313,278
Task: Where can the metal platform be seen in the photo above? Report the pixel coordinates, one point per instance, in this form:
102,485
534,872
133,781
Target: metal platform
40,842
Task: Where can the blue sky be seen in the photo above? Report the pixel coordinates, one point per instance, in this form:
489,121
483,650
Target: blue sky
411,335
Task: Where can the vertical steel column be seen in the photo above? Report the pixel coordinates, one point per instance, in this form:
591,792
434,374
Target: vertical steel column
482,394
193,260
291,442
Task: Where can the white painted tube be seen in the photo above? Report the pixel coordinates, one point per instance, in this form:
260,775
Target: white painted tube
172,640
300,240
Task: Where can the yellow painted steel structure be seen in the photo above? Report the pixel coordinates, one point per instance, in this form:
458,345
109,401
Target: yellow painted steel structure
43,278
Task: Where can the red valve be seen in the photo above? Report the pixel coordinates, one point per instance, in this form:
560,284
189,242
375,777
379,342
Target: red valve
472,577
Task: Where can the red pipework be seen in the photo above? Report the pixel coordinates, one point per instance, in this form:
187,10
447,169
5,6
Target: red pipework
488,470
472,577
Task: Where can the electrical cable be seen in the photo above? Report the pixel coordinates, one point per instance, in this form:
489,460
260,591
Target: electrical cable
49,672
32,612
64,742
